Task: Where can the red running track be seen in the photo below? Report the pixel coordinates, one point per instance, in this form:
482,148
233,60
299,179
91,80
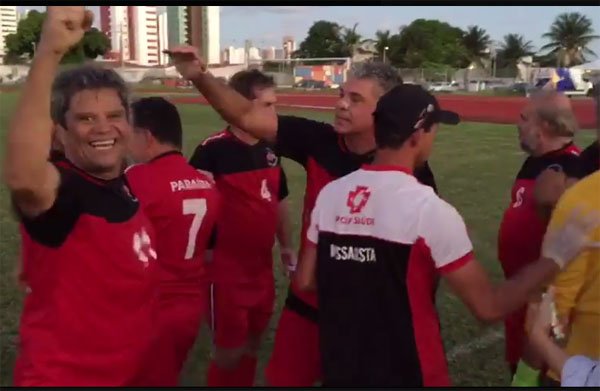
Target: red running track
501,110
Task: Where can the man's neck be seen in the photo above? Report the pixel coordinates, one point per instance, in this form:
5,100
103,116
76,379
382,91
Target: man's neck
394,157
360,143
161,150
245,137
552,145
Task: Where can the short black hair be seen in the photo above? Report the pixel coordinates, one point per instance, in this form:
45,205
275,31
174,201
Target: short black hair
85,77
246,81
160,117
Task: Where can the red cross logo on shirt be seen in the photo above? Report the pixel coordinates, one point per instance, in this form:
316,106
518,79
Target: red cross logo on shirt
358,198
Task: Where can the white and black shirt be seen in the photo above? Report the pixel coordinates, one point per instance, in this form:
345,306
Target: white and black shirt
382,238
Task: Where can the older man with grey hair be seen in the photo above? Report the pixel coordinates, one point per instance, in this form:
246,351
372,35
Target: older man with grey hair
327,152
546,129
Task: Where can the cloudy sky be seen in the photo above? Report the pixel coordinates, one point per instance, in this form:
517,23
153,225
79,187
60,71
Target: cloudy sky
266,25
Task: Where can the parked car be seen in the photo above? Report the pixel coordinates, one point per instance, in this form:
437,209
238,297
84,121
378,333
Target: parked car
443,87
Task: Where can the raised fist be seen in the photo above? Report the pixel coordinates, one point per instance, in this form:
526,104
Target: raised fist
63,28
187,61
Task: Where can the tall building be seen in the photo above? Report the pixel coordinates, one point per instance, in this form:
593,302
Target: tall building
177,17
8,25
134,33
234,56
144,29
163,36
269,53
198,26
114,22
213,34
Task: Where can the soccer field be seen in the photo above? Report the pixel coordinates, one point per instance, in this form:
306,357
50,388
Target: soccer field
474,165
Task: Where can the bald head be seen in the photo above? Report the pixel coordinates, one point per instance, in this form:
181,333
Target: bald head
554,113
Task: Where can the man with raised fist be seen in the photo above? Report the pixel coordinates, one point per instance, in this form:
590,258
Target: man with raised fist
89,314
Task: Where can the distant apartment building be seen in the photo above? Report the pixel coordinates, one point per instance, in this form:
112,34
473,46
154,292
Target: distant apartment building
137,34
268,53
234,56
8,25
289,46
198,26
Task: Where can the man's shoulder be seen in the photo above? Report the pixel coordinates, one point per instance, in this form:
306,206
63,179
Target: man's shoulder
216,138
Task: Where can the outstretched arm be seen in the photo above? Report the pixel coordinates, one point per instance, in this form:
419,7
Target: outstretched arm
235,109
32,180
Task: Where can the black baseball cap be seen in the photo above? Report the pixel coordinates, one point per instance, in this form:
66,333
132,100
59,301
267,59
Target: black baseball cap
407,108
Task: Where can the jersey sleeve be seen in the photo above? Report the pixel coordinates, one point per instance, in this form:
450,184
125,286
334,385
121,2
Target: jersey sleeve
569,282
425,176
52,227
297,137
445,234
312,232
202,158
571,165
283,186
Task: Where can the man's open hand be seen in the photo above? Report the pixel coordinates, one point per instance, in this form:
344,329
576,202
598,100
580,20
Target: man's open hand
187,61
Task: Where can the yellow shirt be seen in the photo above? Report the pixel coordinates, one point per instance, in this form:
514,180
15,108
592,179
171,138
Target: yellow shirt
578,285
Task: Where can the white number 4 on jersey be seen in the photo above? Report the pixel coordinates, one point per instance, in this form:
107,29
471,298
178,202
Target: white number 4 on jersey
264,191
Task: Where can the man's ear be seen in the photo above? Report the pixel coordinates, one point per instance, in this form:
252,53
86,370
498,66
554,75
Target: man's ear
58,136
414,138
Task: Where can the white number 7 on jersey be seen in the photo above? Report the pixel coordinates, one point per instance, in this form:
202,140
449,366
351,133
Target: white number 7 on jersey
196,207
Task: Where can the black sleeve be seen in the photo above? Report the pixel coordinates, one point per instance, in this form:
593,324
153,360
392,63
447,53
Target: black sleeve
202,158
283,187
52,227
589,161
425,176
297,137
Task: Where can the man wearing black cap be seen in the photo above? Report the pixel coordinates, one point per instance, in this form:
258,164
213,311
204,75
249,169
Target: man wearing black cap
380,238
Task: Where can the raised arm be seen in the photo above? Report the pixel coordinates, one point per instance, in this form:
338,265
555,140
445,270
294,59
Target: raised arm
31,179
232,106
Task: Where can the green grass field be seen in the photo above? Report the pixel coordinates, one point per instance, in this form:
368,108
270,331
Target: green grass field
474,164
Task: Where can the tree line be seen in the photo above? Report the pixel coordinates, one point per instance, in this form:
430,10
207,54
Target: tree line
21,45
431,43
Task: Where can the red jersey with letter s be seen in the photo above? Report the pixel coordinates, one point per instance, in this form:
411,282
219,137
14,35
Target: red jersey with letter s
522,230
89,313
182,204
251,183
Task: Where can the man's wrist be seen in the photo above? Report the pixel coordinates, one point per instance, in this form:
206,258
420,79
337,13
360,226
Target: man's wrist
45,53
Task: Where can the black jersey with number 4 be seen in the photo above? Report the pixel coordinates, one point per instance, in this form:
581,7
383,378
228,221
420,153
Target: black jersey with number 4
251,182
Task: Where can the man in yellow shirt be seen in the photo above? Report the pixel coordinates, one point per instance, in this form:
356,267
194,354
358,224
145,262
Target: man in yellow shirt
577,287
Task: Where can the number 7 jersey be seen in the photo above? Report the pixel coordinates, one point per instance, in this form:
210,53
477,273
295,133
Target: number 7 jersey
182,204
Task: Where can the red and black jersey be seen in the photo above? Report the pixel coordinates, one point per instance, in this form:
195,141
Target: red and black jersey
322,152
182,204
251,182
88,318
522,230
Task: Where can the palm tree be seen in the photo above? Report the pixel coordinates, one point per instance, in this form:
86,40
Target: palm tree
383,41
476,42
350,40
512,49
569,36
